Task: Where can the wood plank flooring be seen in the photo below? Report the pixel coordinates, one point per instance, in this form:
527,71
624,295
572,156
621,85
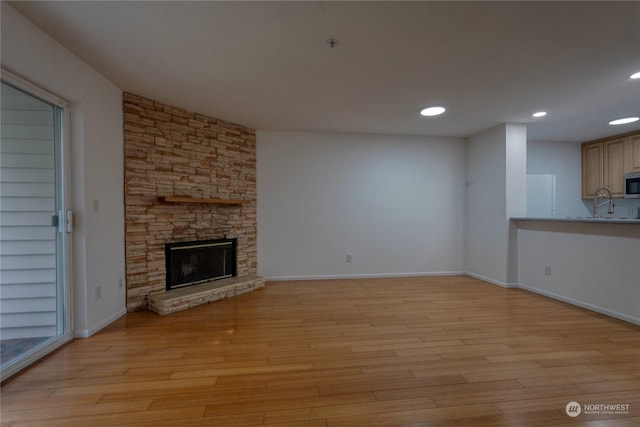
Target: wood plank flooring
429,351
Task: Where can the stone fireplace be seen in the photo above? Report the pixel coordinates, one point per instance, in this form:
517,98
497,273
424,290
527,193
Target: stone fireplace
191,263
188,177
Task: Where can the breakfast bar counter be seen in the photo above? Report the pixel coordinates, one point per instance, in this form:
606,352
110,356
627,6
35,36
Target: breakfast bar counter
592,263
582,219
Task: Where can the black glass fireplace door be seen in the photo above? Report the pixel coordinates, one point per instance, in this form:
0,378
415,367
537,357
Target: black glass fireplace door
189,263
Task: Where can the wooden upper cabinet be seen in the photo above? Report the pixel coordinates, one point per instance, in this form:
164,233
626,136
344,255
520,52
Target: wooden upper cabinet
632,155
592,168
605,162
613,166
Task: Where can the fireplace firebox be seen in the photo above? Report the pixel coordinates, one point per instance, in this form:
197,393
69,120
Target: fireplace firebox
190,263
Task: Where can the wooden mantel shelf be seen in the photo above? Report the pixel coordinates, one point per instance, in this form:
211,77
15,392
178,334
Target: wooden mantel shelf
184,199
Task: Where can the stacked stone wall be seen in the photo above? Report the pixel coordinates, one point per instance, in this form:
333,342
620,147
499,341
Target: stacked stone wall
170,151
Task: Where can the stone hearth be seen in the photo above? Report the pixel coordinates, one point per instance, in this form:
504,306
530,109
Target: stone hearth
193,296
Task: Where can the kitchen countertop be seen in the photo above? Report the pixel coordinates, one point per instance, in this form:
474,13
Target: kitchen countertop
583,219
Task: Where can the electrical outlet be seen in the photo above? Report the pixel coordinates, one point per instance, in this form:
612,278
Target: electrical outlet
98,292
547,270
121,283
348,257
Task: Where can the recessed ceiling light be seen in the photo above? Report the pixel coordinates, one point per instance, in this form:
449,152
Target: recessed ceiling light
432,111
624,120
540,114
635,75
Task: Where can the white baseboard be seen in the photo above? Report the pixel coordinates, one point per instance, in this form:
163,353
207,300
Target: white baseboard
362,276
582,304
86,333
492,281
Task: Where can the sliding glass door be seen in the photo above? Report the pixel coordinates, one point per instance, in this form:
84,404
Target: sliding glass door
34,238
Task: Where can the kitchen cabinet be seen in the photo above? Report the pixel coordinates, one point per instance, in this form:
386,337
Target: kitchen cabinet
613,162
592,165
632,155
603,165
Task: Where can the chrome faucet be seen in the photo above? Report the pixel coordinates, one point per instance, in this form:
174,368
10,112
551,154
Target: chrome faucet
602,192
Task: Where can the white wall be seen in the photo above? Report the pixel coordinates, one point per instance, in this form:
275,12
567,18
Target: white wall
395,203
516,189
96,163
496,190
516,167
592,265
562,159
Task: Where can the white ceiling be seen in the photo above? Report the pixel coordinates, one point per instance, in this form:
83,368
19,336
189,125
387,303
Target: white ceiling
267,65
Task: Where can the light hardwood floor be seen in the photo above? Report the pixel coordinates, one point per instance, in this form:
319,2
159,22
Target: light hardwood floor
411,351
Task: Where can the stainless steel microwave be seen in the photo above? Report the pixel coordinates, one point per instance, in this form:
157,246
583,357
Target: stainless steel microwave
632,185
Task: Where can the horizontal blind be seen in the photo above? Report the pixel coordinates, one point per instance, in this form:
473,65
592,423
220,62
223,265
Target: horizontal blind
27,204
